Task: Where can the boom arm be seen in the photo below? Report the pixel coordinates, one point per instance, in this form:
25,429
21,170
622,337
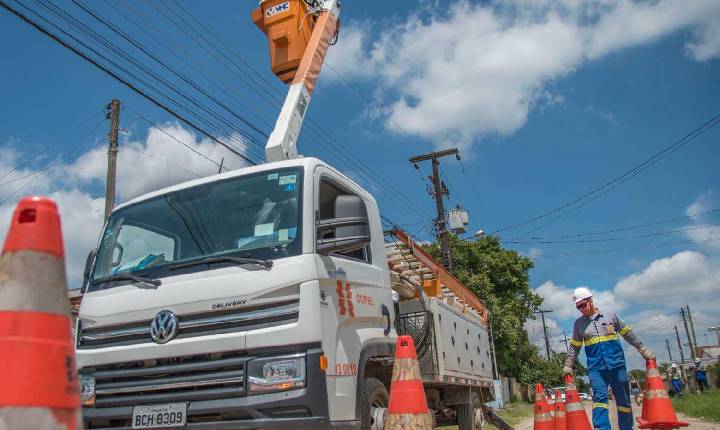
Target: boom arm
282,144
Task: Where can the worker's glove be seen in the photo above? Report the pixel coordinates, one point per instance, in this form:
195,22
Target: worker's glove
567,370
646,353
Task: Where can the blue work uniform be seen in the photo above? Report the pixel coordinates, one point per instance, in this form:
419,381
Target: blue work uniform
701,377
600,335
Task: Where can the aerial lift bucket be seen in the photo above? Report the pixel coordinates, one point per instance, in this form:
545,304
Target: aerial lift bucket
289,27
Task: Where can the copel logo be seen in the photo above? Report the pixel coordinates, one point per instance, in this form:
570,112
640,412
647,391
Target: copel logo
281,8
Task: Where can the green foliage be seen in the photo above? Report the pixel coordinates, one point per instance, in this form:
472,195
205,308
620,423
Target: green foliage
639,375
500,277
699,405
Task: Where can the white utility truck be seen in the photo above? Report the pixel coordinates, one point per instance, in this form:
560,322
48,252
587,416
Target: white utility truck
266,297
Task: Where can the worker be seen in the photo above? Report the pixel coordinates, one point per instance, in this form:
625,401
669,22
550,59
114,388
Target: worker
701,375
676,379
599,332
635,390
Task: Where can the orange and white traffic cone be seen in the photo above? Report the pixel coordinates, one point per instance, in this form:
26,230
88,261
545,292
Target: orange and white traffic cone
559,417
38,386
543,412
575,416
408,408
657,410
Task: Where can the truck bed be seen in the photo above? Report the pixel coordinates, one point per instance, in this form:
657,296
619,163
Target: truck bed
446,320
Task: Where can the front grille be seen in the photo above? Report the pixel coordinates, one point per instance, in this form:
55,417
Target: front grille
247,318
190,378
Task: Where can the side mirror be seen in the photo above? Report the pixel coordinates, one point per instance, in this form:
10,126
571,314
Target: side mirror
88,268
350,227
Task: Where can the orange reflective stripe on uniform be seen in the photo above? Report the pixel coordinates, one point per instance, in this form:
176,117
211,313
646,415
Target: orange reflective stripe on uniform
597,405
624,409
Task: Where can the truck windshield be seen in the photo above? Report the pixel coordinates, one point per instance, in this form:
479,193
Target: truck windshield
253,216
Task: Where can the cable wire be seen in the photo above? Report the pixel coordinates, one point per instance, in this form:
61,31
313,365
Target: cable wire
620,179
117,77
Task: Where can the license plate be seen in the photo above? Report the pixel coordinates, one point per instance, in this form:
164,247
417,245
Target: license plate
159,416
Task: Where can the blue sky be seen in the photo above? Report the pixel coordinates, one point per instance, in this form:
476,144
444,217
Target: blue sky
545,99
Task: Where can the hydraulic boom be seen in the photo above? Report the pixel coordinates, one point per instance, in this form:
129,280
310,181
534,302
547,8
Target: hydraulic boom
300,33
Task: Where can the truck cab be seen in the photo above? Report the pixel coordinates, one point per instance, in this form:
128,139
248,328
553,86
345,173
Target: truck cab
257,298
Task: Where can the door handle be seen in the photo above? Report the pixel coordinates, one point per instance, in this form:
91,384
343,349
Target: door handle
386,313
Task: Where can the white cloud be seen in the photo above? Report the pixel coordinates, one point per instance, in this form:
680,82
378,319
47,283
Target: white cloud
706,234
534,252
559,299
703,203
685,276
707,43
459,73
161,162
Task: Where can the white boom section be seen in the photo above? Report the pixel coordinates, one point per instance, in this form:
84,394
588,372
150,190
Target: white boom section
282,144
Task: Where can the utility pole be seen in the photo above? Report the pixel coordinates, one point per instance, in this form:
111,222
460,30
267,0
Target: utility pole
567,346
692,327
687,332
113,115
667,343
439,191
542,313
717,332
682,355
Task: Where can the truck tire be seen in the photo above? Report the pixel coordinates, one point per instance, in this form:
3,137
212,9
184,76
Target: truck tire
470,416
373,404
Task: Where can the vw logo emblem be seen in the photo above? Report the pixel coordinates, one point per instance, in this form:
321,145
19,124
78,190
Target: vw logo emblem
163,327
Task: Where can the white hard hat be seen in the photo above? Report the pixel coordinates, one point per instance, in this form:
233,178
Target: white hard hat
673,365
581,293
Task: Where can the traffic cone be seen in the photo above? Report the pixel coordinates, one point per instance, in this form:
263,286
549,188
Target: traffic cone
559,417
408,408
38,386
543,412
657,410
575,416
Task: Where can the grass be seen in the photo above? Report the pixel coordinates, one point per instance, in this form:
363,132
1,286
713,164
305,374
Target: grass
513,413
705,406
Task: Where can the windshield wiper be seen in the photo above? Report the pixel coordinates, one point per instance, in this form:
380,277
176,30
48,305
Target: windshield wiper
235,260
129,277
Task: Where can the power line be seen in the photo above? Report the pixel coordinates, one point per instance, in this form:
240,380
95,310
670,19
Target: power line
618,180
363,169
39,173
117,77
179,47
47,146
624,249
164,160
190,148
632,227
124,56
611,239
163,63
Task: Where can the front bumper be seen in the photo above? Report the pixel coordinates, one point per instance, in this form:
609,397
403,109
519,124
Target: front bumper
304,407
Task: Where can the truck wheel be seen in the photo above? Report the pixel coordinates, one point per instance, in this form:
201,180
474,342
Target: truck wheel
470,416
373,404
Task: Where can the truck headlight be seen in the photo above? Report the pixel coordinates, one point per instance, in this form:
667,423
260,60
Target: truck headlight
87,389
276,373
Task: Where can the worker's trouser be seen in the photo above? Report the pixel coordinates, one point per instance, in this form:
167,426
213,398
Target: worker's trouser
617,379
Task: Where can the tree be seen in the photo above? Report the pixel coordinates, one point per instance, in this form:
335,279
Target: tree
638,375
500,277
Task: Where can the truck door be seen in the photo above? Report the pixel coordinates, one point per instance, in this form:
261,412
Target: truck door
355,292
